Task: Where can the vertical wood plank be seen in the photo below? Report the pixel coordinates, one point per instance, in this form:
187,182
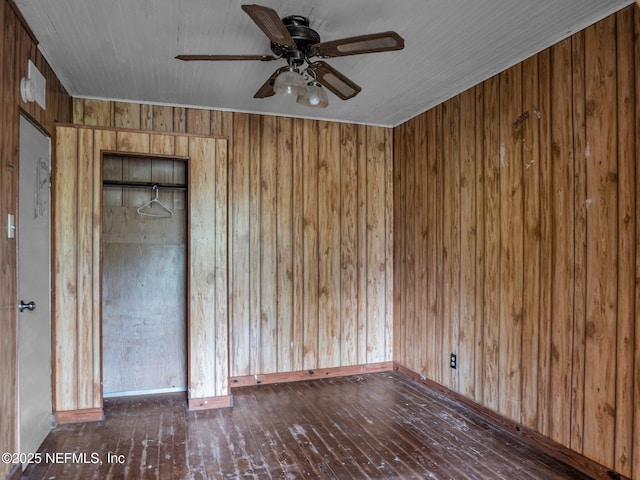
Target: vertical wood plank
268,250
398,246
126,115
376,294
511,208
433,292
627,219
407,339
255,255
546,259
203,352
491,242
226,127
348,244
240,239
162,118
216,122
329,244
97,113
602,244
179,119
480,251
562,238
85,262
198,121
310,169
440,350
103,140
65,269
146,116
531,226
421,352
78,111
451,236
361,247
387,254
221,328
284,242
580,204
298,147
635,460
468,234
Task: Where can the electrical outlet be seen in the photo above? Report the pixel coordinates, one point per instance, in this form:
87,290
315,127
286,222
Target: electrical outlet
454,361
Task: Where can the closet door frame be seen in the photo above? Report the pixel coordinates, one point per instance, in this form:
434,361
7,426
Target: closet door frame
77,231
132,305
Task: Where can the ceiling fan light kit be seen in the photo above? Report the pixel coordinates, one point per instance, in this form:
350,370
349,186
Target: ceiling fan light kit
295,41
290,83
315,96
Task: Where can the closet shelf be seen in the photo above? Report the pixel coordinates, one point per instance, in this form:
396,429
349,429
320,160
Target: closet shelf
151,185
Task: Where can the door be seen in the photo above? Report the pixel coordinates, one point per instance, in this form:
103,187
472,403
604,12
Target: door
34,288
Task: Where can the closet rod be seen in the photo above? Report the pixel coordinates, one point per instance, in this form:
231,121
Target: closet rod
159,186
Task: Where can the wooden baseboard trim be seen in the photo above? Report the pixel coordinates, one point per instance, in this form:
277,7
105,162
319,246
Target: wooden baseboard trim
79,416
209,403
300,375
15,473
536,439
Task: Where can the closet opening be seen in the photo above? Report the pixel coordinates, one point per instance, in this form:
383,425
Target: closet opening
144,274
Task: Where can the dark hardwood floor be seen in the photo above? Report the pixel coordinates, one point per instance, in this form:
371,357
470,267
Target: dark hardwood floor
374,426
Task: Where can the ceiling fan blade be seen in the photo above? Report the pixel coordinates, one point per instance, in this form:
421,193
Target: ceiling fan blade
217,58
269,22
375,42
266,90
332,79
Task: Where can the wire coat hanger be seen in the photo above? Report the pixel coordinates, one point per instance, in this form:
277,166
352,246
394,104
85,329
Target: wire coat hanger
166,213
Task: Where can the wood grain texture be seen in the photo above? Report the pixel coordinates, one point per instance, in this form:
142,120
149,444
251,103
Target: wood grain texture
64,234
84,267
207,270
468,236
531,241
556,283
511,239
295,185
602,241
635,459
329,331
627,250
562,242
491,161
366,426
77,235
17,47
578,360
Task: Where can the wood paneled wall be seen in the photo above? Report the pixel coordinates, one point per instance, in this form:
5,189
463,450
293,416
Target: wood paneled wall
310,233
77,235
516,242
17,46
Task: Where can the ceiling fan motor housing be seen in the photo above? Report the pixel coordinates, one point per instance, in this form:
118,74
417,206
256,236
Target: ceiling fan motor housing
303,36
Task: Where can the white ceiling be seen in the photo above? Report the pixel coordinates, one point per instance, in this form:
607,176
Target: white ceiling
125,49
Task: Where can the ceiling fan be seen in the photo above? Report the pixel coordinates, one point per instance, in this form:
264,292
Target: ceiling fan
295,41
